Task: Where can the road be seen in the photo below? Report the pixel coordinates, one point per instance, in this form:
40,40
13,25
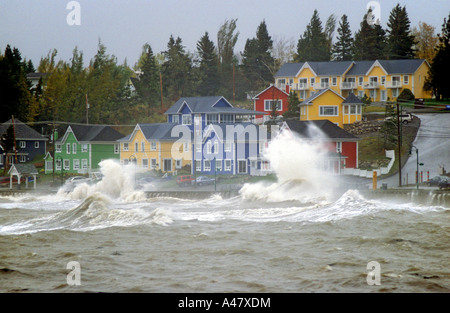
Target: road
433,144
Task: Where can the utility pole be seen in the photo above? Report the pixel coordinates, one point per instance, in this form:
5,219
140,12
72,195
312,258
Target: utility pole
399,143
87,109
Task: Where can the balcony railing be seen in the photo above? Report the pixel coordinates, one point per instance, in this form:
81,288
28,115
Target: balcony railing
372,85
394,84
300,86
322,85
348,85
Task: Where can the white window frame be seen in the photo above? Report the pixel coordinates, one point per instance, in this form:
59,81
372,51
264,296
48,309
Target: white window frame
74,148
218,165
360,80
145,163
66,164
125,146
405,79
227,165
22,158
334,81
178,163
136,146
68,148
153,163
116,148
153,146
84,164
23,144
186,119
208,147
58,148
268,104
84,148
142,146
322,109
76,164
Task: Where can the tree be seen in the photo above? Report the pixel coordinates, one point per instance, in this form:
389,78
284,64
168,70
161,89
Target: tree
400,41
313,45
293,109
438,79
342,49
370,41
258,64
176,70
426,41
148,84
16,98
209,67
226,41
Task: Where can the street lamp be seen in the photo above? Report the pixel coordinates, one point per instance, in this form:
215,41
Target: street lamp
417,164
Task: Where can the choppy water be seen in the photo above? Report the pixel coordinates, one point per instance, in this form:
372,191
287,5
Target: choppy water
291,236
222,245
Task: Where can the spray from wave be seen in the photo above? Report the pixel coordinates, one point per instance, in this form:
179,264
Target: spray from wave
298,165
118,182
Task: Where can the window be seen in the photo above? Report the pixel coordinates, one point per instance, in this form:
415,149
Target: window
66,165
178,163
394,93
226,118
125,146
228,146
23,144
145,163
136,146
328,110
186,119
360,80
361,94
208,147
198,165
218,165
68,148
303,83
152,164
58,164
339,147
242,166
302,94
74,148
281,83
383,80
334,81
268,104
84,148
58,147
175,119
22,159
186,147
346,109
227,165
84,164
352,109
76,164
216,147
143,146
207,165
116,149
153,146
405,79
313,81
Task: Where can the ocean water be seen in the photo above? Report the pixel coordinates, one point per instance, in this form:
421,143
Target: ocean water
291,236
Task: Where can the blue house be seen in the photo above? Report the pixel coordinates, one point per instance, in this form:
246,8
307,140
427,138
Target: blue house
224,140
28,143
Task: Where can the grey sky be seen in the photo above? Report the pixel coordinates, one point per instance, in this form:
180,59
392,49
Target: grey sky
37,26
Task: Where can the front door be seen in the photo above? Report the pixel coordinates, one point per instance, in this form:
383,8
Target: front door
167,165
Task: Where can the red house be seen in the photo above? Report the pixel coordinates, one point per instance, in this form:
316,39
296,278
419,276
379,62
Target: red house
264,101
342,146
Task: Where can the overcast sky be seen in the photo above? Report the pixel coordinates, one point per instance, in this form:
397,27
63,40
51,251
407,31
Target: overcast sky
37,26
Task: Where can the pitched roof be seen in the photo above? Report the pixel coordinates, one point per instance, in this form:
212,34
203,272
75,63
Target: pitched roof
268,88
338,68
94,133
320,129
207,105
158,131
352,99
23,169
318,94
23,131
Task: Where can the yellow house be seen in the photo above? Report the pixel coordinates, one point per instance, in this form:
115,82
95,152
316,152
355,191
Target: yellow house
381,80
327,104
152,147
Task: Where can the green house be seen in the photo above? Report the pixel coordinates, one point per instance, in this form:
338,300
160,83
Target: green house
83,147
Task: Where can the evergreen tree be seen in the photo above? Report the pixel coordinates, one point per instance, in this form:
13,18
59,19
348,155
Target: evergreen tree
400,41
438,79
176,70
342,49
257,63
16,97
209,67
226,41
293,110
313,45
148,84
370,41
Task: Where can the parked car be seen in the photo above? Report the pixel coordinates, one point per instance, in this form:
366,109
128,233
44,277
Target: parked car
436,180
184,180
444,183
203,180
405,118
